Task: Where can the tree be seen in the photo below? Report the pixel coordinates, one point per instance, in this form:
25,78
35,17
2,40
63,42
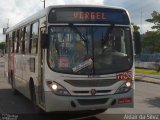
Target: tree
155,20
151,39
2,45
135,27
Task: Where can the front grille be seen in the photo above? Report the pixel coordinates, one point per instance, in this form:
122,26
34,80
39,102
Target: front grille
87,92
103,91
81,92
92,83
92,101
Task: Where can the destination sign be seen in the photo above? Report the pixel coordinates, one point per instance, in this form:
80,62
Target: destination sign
88,15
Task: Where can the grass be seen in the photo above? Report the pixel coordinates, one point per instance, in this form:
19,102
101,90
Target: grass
146,71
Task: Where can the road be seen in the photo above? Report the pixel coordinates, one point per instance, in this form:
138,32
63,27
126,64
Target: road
147,100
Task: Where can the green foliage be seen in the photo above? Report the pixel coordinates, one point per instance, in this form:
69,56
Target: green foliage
2,45
155,20
145,71
151,39
136,28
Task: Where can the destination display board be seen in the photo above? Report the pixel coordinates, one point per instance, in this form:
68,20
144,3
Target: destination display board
88,15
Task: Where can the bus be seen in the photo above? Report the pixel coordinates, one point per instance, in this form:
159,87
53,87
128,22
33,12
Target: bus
74,58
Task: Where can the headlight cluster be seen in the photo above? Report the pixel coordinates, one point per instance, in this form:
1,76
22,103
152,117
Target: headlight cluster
124,88
57,89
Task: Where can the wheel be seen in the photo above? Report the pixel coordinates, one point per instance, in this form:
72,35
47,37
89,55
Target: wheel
12,81
9,78
33,99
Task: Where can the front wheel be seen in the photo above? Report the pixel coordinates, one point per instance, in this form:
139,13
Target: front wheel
33,99
12,81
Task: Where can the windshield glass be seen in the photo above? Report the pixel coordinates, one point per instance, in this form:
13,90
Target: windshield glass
89,49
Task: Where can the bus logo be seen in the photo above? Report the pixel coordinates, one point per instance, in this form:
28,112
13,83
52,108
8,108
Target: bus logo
93,92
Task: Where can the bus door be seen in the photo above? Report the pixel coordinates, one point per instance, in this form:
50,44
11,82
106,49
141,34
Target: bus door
41,69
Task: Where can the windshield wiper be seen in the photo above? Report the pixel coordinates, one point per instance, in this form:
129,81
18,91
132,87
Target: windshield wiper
85,40
106,37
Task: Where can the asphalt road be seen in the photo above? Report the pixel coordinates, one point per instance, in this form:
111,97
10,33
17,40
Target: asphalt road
147,101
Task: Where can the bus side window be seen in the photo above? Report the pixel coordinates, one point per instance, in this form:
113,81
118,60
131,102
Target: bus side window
7,43
34,38
17,40
23,40
26,38
20,40
13,42
10,42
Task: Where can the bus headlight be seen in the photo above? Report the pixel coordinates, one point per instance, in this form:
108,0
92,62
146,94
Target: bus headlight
128,84
124,88
54,87
57,89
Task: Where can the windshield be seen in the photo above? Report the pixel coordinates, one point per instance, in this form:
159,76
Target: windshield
89,49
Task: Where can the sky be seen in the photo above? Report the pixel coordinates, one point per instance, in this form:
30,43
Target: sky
15,11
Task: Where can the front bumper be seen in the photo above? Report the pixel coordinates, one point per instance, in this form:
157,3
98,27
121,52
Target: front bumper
55,103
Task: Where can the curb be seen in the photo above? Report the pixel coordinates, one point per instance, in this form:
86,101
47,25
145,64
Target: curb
148,81
147,75
144,79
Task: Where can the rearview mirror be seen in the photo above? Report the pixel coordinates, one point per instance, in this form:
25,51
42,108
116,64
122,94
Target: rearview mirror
137,41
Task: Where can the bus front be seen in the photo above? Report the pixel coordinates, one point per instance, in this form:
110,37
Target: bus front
89,61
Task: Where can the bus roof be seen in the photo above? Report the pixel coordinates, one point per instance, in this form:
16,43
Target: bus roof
45,11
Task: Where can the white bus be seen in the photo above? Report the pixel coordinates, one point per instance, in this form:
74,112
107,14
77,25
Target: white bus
73,58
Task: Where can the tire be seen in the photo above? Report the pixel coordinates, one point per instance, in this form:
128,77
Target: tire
9,78
33,99
12,81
